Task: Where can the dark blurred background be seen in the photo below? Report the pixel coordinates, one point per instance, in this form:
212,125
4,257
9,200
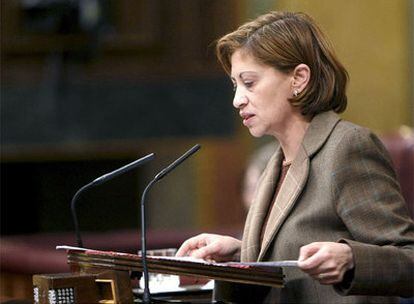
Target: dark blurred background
87,86
90,85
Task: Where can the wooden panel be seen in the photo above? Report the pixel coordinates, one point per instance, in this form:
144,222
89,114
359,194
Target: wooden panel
219,174
372,39
15,286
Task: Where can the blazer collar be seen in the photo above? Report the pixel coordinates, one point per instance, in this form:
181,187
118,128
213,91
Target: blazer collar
318,132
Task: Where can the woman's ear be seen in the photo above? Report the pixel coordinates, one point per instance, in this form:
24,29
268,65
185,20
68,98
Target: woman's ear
301,76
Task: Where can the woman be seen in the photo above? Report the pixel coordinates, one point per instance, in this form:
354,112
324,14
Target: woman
329,195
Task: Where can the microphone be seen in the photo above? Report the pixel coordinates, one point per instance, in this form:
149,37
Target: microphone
100,180
177,162
146,296
122,170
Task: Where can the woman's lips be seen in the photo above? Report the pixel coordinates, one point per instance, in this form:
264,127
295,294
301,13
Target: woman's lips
247,119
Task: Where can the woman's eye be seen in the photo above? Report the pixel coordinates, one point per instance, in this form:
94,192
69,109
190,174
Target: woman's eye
248,84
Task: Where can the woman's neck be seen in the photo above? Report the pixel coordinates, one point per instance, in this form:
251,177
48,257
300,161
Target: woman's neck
292,135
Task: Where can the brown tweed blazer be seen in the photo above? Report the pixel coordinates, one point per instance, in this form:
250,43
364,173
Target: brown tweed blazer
340,187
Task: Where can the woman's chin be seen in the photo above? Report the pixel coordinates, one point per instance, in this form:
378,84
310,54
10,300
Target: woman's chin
256,133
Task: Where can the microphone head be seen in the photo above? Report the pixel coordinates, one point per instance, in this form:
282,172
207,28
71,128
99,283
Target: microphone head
124,169
178,161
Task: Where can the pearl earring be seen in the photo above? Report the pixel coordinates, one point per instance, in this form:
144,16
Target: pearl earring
295,93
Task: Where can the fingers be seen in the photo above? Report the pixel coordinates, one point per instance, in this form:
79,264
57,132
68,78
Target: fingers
208,252
211,247
328,278
203,246
191,244
308,250
309,258
183,250
326,261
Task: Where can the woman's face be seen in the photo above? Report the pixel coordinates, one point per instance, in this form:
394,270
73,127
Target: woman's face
261,95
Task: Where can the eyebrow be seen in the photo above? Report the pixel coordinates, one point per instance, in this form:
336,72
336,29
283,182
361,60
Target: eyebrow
241,74
245,72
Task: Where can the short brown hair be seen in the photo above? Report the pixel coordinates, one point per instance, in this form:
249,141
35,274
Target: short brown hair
284,40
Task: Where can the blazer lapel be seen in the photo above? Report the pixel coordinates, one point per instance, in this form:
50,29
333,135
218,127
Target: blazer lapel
258,210
318,132
290,190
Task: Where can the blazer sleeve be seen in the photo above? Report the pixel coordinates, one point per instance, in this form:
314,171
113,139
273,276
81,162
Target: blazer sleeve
370,204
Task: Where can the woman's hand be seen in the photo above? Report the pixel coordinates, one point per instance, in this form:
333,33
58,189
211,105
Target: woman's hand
326,262
214,247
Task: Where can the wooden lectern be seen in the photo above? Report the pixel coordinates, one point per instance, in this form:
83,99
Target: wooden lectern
104,277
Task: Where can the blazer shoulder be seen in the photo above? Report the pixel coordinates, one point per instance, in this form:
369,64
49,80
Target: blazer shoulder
345,130
348,129
350,139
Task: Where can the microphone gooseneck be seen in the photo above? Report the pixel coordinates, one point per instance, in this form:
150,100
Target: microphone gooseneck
146,296
98,181
74,214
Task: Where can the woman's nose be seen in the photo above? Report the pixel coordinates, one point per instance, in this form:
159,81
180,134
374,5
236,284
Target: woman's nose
239,100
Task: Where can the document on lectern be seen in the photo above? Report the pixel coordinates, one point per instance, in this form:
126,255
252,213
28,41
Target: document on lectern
260,273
